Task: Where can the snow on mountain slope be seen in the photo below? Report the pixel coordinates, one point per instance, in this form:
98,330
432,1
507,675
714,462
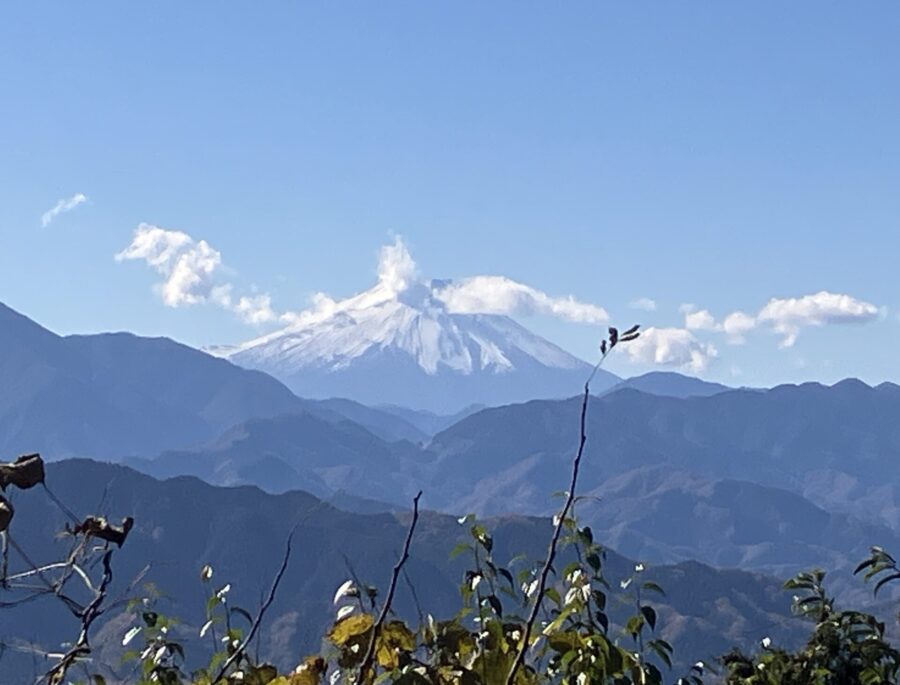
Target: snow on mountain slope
401,342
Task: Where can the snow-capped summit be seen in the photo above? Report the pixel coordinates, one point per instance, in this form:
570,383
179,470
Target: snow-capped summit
425,344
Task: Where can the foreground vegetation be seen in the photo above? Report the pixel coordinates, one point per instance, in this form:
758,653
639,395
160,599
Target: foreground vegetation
518,622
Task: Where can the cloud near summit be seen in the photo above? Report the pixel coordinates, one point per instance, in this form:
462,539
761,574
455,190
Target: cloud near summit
192,273
398,273
501,295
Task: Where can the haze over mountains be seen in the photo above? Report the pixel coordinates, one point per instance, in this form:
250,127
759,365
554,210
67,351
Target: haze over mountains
676,469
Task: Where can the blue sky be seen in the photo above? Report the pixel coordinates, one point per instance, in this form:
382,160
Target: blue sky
715,154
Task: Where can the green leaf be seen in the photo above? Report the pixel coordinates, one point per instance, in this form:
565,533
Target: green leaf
461,548
653,587
885,580
650,616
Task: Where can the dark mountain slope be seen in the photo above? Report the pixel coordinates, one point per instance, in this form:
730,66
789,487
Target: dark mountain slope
839,445
182,524
116,395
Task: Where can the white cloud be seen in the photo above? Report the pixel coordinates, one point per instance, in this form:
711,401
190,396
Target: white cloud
501,295
399,279
189,268
644,304
700,320
192,273
736,325
63,205
323,307
788,316
256,309
675,347
396,268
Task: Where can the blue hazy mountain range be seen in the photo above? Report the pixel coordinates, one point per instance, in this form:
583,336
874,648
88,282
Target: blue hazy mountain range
743,471
677,471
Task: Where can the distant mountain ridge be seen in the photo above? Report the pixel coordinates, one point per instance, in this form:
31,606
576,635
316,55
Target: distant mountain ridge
670,384
813,452
745,477
119,395
116,394
838,445
299,451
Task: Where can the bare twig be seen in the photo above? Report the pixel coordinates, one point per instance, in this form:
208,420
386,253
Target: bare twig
605,348
415,597
554,542
57,674
386,607
59,503
236,655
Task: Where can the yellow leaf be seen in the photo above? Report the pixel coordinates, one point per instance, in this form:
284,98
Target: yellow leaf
351,627
395,638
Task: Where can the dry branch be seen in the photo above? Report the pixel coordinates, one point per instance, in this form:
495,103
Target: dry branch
385,609
605,349
92,611
242,648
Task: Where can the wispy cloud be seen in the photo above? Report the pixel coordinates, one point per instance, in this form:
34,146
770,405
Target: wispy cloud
501,295
256,309
193,273
62,206
785,316
788,316
399,279
644,304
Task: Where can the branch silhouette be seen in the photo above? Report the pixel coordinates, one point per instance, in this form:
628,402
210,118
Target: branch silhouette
606,348
385,609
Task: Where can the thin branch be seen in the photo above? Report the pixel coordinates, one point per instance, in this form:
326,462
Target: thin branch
94,610
49,567
59,503
415,597
386,607
357,583
236,655
557,532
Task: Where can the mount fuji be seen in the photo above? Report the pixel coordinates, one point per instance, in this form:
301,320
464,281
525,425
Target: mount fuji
410,342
